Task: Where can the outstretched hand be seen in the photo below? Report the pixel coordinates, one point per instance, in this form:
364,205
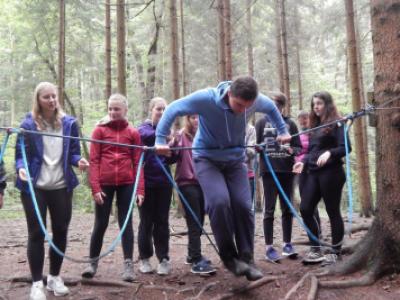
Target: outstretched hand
283,138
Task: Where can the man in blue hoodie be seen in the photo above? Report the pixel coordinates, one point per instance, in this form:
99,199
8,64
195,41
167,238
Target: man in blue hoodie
219,162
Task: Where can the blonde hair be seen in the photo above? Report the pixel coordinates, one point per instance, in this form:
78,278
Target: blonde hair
154,101
37,113
120,98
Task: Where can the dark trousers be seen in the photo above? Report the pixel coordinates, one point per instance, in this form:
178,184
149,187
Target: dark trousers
326,184
194,196
270,194
59,203
228,204
102,216
154,222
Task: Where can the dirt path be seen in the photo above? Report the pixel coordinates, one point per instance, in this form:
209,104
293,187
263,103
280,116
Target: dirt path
181,284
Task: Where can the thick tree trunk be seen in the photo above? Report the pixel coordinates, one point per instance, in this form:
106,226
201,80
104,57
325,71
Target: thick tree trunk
285,58
379,251
121,46
61,53
184,73
364,189
221,41
228,38
278,30
250,56
174,48
108,49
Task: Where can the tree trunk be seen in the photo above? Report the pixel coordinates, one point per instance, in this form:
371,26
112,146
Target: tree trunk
221,44
61,53
174,48
121,47
107,93
364,189
298,60
184,73
250,57
278,30
228,38
379,251
286,80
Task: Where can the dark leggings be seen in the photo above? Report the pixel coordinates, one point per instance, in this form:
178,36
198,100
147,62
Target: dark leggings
194,196
102,216
154,222
271,193
326,184
59,203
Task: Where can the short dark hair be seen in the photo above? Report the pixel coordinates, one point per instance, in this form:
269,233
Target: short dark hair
279,98
244,87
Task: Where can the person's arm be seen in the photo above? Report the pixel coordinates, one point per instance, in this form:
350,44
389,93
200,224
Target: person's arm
340,151
19,163
295,142
251,140
260,130
95,160
189,105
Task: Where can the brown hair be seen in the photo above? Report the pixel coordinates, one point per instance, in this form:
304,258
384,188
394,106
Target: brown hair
330,114
188,128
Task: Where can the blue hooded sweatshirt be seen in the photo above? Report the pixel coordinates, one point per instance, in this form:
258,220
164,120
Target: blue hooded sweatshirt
219,126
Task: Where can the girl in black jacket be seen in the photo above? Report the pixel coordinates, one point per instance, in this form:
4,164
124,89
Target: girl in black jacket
324,175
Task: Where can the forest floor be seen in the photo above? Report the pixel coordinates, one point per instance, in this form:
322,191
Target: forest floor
181,284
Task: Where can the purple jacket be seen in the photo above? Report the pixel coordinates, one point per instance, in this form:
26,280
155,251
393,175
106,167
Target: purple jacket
184,174
153,174
34,152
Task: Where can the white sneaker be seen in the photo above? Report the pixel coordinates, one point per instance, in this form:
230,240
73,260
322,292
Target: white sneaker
37,291
145,266
56,284
164,267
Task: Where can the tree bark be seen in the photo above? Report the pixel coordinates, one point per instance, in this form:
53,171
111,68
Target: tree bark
61,53
278,30
250,57
184,73
298,58
364,189
286,79
107,93
221,44
174,48
379,251
121,65
228,38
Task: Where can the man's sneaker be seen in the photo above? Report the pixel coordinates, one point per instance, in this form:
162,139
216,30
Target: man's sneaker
56,285
202,267
128,274
272,255
237,267
313,257
252,273
189,260
164,267
289,251
37,291
90,270
330,259
145,266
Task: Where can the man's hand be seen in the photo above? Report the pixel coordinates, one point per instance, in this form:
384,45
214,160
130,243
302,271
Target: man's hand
163,150
99,198
139,200
83,164
284,138
298,167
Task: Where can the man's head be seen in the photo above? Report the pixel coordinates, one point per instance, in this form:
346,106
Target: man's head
242,93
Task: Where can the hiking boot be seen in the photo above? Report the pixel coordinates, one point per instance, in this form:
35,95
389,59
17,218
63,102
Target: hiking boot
90,270
56,285
203,266
313,257
236,266
145,266
289,251
37,291
128,274
164,267
330,259
272,255
252,273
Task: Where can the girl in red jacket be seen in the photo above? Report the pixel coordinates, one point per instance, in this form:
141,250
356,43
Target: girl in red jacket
113,171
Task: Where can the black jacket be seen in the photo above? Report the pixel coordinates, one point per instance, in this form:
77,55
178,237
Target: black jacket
323,140
281,160
2,178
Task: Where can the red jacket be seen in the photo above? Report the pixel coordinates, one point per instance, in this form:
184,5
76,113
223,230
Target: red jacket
114,165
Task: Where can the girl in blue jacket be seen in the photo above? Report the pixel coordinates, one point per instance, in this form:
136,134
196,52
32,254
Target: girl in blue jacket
50,161
219,162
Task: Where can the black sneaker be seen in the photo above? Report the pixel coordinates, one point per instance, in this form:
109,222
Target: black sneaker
313,257
237,267
202,267
253,273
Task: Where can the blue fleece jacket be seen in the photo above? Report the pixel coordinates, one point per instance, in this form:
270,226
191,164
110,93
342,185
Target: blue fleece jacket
219,126
34,152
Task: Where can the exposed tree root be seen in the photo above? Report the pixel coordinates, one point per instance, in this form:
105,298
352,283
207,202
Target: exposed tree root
367,279
247,288
312,294
361,227
298,285
203,290
109,283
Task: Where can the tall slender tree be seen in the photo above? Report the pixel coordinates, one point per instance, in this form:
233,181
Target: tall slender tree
121,65
61,53
278,39
221,41
285,57
183,50
298,57
174,48
108,48
364,189
249,32
228,38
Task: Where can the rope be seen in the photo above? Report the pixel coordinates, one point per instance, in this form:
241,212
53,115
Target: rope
4,145
348,178
186,203
43,227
